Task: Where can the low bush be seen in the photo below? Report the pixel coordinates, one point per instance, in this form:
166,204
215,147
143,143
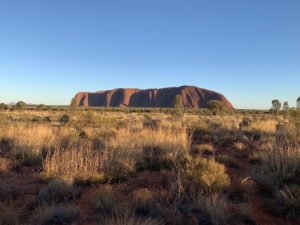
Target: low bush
53,215
216,107
55,192
154,158
65,119
206,175
104,199
213,209
118,170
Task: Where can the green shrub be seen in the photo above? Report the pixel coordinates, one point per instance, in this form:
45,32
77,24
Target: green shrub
20,105
206,175
216,107
65,119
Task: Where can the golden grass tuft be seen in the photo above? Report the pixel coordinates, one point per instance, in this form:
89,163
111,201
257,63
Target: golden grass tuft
81,162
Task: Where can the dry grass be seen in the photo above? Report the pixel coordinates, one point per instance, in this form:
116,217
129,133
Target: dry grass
282,162
4,165
268,125
279,176
100,147
30,137
81,163
166,139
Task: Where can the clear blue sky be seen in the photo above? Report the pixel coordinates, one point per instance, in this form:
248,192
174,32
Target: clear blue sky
249,50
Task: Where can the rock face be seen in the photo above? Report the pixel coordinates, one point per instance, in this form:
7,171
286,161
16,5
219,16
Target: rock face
193,97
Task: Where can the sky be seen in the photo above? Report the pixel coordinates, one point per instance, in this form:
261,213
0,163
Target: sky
248,50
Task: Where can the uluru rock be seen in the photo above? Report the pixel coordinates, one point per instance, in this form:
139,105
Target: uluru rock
193,97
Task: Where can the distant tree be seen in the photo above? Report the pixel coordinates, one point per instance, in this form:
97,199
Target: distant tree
20,105
3,106
41,106
276,105
298,103
285,106
216,106
178,102
74,104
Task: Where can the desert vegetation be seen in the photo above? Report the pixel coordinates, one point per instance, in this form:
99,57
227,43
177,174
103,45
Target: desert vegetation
149,166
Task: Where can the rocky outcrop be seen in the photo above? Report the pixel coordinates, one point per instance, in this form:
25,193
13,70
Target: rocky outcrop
193,97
